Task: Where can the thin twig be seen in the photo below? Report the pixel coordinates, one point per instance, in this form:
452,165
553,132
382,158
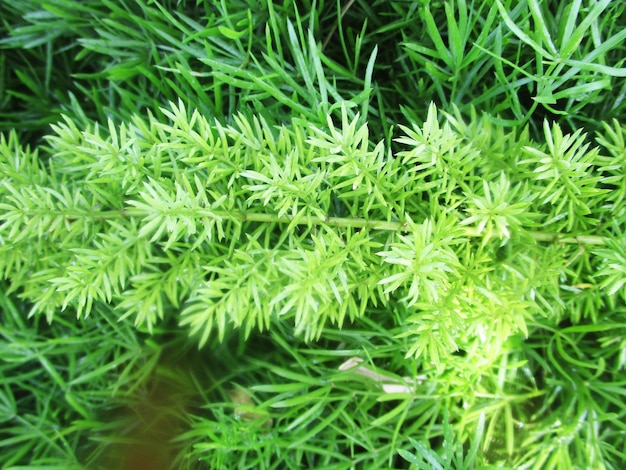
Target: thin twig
332,31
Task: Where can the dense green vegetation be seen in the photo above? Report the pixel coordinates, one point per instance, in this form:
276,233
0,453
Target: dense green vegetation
361,234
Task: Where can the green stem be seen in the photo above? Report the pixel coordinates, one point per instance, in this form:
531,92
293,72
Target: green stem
391,226
342,222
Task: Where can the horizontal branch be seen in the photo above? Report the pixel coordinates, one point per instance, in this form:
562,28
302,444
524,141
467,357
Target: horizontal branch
391,226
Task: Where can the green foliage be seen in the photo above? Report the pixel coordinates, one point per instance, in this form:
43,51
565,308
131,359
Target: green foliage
161,215
453,454
312,235
517,59
207,222
55,387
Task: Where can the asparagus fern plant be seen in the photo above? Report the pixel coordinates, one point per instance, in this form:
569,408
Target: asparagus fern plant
240,226
255,239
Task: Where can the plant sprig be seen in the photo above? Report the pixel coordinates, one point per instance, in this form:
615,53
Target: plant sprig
223,194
